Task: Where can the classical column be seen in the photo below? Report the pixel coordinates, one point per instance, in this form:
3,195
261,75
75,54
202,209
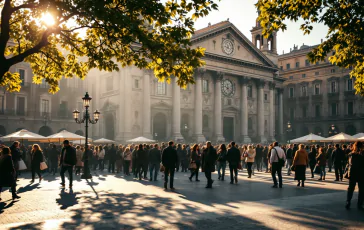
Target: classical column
217,113
198,136
244,111
176,112
271,112
128,113
280,112
146,106
260,111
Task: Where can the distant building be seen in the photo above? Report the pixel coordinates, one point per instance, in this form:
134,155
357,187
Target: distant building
235,96
318,98
36,110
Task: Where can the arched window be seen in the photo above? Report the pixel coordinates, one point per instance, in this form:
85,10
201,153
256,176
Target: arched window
161,88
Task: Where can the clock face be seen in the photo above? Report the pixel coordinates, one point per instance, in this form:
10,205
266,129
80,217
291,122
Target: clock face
228,46
228,88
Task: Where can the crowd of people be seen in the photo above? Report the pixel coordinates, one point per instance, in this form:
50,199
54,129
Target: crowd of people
141,159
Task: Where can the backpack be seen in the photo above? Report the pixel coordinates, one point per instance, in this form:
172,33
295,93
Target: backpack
280,160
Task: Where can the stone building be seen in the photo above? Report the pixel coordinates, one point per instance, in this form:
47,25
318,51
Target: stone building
235,96
318,98
34,109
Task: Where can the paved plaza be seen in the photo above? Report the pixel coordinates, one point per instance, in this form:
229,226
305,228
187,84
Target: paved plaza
115,202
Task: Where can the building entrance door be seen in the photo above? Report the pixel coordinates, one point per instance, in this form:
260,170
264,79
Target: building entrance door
109,127
228,128
160,127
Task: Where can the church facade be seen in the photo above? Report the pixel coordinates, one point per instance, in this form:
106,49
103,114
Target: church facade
237,95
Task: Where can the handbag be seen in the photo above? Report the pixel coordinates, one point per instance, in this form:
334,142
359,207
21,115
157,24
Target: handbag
317,169
22,165
161,168
193,165
293,168
43,166
280,160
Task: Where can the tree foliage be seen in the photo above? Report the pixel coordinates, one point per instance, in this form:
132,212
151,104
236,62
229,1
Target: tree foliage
103,34
344,18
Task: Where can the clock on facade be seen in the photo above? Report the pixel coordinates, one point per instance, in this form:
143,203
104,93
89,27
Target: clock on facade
228,46
227,88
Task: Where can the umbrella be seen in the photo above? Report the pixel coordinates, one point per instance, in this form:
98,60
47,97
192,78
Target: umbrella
341,137
23,135
359,135
308,138
103,141
65,135
141,140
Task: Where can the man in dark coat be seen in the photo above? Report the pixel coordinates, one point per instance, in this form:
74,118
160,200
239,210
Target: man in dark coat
7,172
53,155
16,155
208,160
259,157
233,157
67,161
329,157
112,158
169,161
338,156
154,161
142,160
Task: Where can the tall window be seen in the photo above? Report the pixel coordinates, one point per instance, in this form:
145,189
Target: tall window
281,67
22,75
350,84
297,64
109,83
291,114
350,108
161,88
205,86
334,110
266,97
317,111
317,89
44,106
288,66
332,70
205,122
291,92
250,123
333,87
63,109
317,73
304,91
136,83
303,75
304,111
20,106
307,62
250,91
2,104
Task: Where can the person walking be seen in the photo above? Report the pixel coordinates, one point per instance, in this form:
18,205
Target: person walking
233,157
53,154
142,159
169,161
355,174
36,159
321,163
265,158
179,154
184,158
277,159
195,158
289,157
67,161
119,159
127,160
312,160
208,160
249,160
100,153
134,162
112,158
300,162
16,157
154,162
79,163
338,156
7,172
259,157
221,161
329,157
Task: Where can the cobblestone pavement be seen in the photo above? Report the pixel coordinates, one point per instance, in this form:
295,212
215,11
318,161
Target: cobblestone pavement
113,202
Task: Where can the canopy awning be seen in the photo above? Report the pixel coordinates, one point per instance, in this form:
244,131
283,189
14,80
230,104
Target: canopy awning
103,141
141,140
308,138
65,135
341,137
358,135
23,135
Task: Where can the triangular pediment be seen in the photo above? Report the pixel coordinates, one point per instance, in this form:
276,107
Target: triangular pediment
225,40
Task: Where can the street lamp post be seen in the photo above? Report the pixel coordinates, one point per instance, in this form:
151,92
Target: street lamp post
86,119
289,129
333,130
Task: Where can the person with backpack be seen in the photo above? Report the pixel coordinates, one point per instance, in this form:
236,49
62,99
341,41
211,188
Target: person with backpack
221,161
277,160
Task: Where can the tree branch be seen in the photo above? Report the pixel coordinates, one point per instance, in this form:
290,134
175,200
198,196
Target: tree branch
5,27
24,6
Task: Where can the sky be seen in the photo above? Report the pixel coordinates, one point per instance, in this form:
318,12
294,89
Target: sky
242,13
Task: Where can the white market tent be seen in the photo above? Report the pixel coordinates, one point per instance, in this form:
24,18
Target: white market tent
308,138
341,137
103,141
359,135
65,135
23,135
141,140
